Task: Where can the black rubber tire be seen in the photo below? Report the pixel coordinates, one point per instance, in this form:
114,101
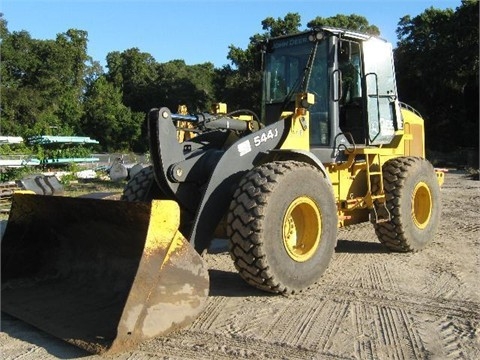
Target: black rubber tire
256,221
404,232
139,188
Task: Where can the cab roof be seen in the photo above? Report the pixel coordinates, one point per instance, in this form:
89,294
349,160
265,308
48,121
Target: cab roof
343,33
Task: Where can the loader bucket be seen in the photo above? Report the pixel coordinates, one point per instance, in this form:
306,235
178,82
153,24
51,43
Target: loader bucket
103,275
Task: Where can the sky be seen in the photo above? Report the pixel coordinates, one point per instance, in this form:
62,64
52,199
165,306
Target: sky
196,31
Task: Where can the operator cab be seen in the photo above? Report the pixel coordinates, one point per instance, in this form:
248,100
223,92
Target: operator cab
352,78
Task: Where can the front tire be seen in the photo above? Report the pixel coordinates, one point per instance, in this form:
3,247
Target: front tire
141,187
282,226
413,200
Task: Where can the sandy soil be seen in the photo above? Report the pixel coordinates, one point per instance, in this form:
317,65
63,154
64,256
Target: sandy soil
370,304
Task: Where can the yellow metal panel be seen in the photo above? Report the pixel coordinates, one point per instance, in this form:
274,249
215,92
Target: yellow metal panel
298,137
414,128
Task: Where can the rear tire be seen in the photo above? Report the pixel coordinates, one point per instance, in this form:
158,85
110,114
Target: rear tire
413,200
282,226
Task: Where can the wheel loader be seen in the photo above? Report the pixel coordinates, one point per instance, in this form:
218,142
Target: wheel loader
332,147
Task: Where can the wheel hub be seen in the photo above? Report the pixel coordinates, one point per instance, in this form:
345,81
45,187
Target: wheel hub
421,205
302,227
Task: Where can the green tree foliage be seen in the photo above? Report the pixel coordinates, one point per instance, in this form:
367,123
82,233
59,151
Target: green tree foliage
290,24
181,84
134,73
53,87
144,83
108,120
437,72
42,82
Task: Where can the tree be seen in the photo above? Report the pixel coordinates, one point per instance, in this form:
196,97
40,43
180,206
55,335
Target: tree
290,24
42,82
351,22
181,84
108,120
134,73
445,89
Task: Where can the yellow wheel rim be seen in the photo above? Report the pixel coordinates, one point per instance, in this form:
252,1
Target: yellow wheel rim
421,205
302,228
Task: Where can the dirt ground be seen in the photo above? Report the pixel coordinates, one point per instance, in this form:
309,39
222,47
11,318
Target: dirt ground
370,304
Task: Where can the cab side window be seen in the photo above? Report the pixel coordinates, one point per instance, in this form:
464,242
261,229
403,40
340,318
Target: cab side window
351,99
319,85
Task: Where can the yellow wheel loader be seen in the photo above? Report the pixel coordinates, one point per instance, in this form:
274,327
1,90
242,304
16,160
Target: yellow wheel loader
333,147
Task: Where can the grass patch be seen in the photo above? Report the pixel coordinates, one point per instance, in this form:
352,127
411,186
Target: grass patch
82,187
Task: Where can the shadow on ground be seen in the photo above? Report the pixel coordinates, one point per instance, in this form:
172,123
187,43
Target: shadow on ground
360,247
20,330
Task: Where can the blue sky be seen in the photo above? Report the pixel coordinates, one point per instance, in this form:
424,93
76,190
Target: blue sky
194,30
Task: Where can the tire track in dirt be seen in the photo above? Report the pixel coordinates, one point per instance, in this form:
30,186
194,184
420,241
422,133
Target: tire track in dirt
210,316
444,285
385,329
410,302
29,352
416,344
358,260
407,339
366,284
398,312
373,276
390,332
466,227
317,327
453,333
335,338
206,345
364,347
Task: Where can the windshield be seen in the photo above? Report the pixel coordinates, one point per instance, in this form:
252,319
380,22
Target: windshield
286,74
285,62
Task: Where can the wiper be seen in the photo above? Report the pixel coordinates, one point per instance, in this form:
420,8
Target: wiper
292,91
307,71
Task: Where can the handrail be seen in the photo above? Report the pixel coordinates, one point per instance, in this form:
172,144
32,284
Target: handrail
410,108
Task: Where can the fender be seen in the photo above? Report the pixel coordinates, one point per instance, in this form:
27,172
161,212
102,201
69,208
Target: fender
239,158
299,155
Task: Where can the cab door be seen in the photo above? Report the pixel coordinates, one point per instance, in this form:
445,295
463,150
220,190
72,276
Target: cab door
381,91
